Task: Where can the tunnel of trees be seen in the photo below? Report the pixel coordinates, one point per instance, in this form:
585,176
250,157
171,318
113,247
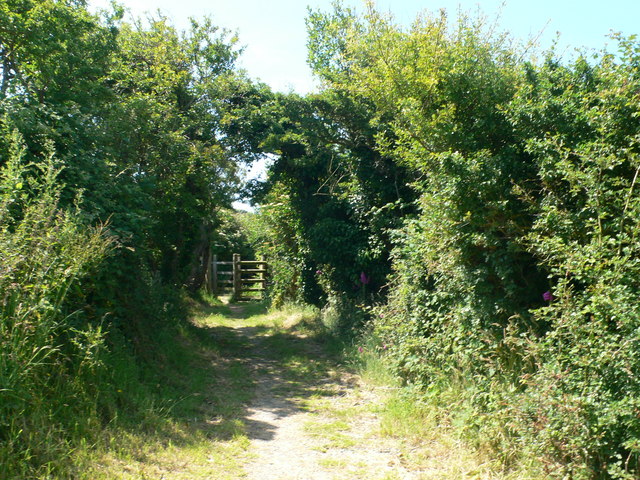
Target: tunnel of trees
471,204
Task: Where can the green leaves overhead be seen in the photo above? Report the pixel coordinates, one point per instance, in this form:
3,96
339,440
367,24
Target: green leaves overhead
51,50
144,117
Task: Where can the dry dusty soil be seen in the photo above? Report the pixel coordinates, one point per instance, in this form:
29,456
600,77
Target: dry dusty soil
310,420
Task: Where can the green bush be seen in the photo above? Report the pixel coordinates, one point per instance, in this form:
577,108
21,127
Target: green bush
585,393
515,285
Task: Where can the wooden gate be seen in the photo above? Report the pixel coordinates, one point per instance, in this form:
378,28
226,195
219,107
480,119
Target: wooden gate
241,278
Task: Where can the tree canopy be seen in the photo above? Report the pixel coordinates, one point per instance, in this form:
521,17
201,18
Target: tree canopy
471,207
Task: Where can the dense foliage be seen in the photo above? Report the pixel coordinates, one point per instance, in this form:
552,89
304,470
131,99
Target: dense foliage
478,208
490,202
332,199
46,350
119,151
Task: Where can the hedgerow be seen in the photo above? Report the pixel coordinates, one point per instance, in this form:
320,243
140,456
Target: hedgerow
120,147
512,280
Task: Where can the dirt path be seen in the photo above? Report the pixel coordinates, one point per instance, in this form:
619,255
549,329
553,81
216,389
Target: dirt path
310,420
262,399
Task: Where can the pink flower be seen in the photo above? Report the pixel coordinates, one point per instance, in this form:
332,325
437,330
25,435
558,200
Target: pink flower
364,279
360,349
547,296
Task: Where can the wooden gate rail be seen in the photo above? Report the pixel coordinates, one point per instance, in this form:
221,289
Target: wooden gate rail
239,276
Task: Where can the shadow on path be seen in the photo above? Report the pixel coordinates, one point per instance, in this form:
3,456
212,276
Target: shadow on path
278,371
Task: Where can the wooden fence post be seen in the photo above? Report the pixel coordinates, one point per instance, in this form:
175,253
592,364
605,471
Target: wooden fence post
263,276
237,276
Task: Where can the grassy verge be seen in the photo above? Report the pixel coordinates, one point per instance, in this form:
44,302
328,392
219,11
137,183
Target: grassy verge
195,424
433,429
192,426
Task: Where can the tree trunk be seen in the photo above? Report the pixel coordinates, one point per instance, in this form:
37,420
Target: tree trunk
200,258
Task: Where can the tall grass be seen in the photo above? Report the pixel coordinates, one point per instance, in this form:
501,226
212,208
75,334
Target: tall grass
46,353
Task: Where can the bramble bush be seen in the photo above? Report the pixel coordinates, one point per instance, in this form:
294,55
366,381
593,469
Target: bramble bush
584,394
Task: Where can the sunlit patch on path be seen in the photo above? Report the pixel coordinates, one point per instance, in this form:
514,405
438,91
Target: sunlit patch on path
267,399
309,418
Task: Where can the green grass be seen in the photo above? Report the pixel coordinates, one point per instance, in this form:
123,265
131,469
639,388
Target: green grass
432,431
193,423
332,434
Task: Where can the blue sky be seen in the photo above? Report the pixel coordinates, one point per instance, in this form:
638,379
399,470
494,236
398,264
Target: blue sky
274,33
